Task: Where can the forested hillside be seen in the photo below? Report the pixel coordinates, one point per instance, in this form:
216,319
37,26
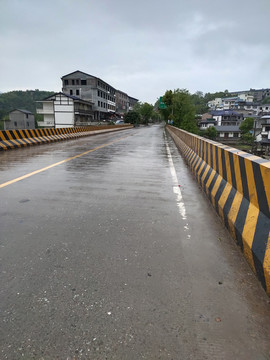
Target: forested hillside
25,100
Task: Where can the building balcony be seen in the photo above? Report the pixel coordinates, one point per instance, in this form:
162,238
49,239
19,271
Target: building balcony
45,111
83,112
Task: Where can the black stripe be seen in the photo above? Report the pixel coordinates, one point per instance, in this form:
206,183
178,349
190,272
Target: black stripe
211,155
219,192
224,168
227,206
232,170
217,167
206,155
12,134
202,172
24,133
13,143
194,162
5,134
200,163
207,176
18,134
240,221
244,177
261,195
213,182
259,245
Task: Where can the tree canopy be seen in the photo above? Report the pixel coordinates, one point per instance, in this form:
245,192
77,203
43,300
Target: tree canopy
25,100
246,125
180,109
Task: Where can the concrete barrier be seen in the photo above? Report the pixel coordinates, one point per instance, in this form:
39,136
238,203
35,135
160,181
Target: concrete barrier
11,139
238,186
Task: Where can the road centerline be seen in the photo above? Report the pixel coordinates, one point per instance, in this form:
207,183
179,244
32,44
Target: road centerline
10,182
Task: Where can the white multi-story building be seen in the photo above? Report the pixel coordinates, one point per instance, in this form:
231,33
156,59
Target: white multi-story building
62,110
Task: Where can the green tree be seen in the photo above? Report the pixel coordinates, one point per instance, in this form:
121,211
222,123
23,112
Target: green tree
211,132
199,102
183,111
246,125
167,98
266,100
132,117
146,112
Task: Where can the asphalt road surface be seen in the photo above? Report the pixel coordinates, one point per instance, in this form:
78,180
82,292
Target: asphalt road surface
109,250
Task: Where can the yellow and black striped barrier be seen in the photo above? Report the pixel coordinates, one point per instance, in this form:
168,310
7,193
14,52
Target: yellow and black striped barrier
11,139
238,186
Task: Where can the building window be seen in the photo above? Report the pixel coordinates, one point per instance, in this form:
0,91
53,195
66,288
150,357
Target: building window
77,82
98,103
66,82
83,82
26,116
71,92
77,92
73,82
15,123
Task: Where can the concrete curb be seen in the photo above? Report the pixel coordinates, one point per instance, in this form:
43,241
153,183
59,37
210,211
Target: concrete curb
12,139
238,186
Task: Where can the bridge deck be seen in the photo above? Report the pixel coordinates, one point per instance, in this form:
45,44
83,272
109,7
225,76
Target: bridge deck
109,249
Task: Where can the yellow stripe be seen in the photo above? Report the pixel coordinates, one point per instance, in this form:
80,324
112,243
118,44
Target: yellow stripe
265,171
228,167
27,140
9,134
206,171
209,153
200,170
16,142
238,178
2,136
22,134
251,183
248,233
223,198
220,171
209,181
7,142
234,212
197,165
3,146
266,265
59,163
215,189
15,133
214,157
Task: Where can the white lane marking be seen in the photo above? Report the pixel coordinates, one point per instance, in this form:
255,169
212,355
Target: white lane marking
176,188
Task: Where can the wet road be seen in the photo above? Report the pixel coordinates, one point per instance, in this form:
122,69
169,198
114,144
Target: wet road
105,256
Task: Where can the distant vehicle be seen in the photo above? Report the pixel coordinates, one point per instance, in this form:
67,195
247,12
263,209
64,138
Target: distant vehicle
119,122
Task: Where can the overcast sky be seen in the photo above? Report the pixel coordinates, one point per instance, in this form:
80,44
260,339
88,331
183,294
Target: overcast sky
141,47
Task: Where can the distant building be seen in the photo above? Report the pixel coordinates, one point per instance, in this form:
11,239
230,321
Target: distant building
258,94
228,133
121,102
132,102
227,117
107,101
20,119
261,129
62,110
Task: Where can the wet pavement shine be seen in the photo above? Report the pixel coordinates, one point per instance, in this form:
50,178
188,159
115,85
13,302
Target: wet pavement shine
109,250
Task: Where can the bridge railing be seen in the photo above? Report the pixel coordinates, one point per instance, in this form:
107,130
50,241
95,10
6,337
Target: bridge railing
238,186
10,139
